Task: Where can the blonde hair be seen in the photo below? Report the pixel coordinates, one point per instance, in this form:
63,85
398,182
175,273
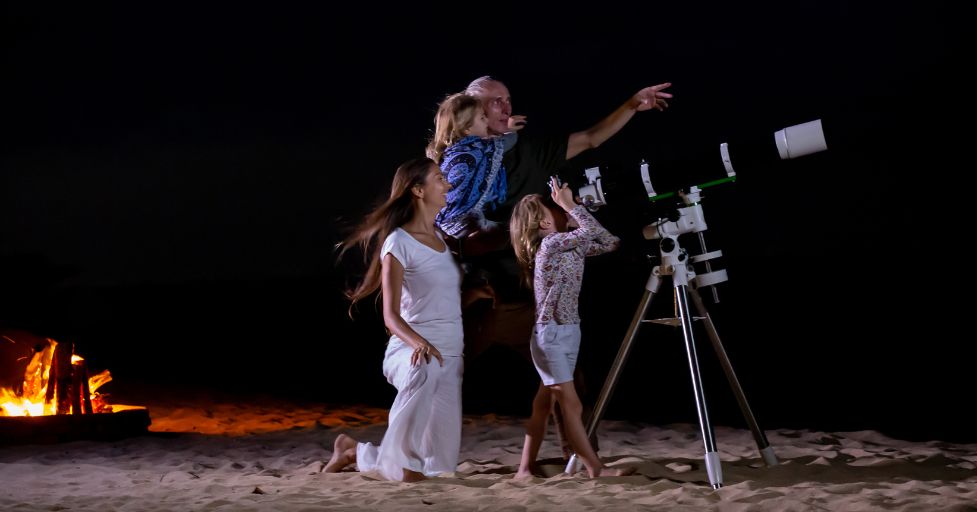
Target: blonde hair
524,232
456,114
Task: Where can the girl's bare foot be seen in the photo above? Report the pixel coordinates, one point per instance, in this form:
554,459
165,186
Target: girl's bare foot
343,454
523,475
413,476
606,471
526,473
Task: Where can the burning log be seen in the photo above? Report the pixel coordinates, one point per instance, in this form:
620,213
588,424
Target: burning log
86,394
61,376
75,390
81,397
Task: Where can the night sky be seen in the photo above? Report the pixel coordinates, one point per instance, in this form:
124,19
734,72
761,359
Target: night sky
173,180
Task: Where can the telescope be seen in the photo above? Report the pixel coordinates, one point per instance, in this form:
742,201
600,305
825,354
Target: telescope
786,144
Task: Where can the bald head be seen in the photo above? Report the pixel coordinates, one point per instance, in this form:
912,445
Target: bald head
496,101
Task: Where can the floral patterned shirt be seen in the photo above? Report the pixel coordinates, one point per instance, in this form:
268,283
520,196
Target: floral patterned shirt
559,267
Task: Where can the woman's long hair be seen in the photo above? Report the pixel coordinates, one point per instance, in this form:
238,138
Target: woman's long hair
369,235
456,114
524,231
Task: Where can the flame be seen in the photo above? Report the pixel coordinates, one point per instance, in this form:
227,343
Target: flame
32,401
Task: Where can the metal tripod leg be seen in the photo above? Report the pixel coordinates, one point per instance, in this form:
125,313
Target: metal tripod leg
766,451
713,468
681,298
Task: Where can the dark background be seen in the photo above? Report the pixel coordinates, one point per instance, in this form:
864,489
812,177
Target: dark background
173,180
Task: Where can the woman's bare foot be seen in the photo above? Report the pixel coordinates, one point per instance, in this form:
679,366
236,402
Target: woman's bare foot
343,454
413,476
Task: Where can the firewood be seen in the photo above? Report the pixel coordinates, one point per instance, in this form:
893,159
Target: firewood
62,361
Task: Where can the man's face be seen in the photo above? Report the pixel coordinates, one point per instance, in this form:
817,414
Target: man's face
498,107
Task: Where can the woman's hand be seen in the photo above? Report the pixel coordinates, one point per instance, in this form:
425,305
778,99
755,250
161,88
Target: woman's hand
425,351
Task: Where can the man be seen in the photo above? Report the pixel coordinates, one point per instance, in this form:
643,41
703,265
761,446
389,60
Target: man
509,320
530,164
528,167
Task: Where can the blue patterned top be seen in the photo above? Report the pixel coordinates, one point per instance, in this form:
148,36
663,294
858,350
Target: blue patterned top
474,168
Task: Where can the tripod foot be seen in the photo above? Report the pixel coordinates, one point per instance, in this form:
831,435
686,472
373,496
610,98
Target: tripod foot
573,466
769,457
714,470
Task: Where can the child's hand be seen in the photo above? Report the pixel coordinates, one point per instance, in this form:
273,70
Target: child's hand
562,196
517,123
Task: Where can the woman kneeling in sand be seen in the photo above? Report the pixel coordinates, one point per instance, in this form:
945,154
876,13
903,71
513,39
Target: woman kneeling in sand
420,283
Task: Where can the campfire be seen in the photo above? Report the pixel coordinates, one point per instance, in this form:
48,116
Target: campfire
55,382
46,394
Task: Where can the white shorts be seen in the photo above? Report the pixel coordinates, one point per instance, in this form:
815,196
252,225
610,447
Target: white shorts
554,348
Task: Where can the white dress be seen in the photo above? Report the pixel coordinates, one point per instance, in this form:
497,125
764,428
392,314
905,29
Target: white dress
424,426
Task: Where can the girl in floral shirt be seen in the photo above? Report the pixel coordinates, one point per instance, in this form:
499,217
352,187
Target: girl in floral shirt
552,260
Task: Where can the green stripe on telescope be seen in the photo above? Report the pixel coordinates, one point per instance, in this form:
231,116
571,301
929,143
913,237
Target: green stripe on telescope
707,184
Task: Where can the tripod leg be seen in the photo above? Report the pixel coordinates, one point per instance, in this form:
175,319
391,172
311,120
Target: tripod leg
615,373
766,451
713,467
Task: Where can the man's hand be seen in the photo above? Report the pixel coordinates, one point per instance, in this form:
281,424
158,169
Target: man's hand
652,97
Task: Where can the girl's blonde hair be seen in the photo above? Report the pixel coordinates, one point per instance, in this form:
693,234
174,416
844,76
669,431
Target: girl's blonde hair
456,114
524,232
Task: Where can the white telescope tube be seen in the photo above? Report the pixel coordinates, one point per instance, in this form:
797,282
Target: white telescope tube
800,139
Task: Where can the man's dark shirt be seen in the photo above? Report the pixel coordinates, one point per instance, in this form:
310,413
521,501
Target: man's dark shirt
528,167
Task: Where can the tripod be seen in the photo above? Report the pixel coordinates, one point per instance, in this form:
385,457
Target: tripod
675,262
